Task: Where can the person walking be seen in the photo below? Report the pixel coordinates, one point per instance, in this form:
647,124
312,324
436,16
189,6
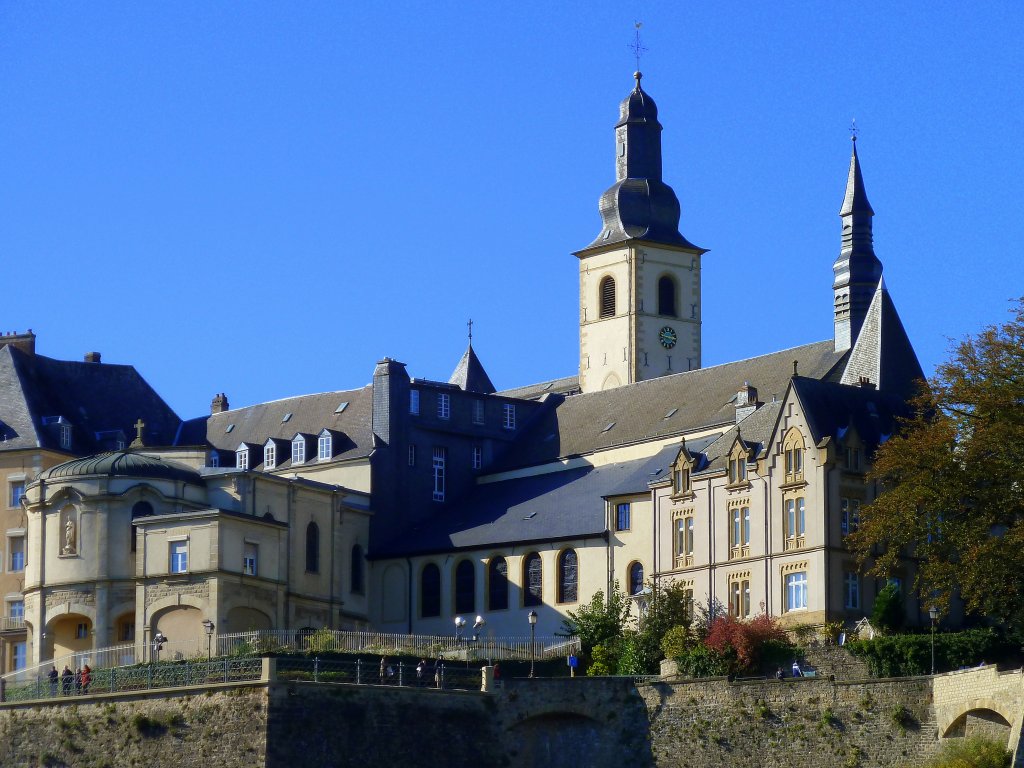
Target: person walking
86,678
54,676
383,668
796,669
420,669
65,680
438,673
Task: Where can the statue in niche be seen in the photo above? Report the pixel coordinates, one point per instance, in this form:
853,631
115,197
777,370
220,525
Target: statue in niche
69,538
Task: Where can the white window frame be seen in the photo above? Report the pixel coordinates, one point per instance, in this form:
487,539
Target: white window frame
478,457
299,450
796,591
440,460
270,455
18,614
65,436
444,405
177,556
324,447
242,458
250,558
509,416
15,486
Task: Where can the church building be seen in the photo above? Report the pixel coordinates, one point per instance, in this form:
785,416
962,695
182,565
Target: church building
437,499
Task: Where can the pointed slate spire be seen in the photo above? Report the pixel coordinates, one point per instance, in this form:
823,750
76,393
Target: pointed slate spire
470,375
639,205
857,269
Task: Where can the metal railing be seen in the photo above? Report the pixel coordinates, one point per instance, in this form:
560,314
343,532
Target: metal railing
9,623
326,640
369,672
137,678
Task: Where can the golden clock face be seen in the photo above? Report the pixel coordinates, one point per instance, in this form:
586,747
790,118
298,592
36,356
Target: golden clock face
667,337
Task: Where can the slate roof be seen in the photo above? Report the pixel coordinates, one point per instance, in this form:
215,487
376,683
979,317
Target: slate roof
832,409
539,508
703,398
657,467
122,464
755,430
309,415
564,386
856,199
470,375
883,352
92,397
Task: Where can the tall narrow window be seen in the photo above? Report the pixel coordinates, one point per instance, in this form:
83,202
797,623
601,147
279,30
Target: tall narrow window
65,436
412,455
497,584
850,515
568,576
16,546
745,534
269,456
430,591
242,458
794,453
324,446
414,401
478,411
440,458
299,450
250,558
509,412
532,580
667,296
622,517
358,582
607,290
478,457
444,405
465,587
179,557
851,582
796,519
739,598
17,491
636,578
312,548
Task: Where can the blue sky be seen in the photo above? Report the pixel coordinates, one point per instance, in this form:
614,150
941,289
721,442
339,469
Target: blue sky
266,198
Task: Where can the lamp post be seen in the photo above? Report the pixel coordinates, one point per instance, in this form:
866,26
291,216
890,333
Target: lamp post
209,626
933,614
460,626
532,617
478,627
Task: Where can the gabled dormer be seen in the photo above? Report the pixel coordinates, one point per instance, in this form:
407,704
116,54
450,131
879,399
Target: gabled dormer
327,444
741,453
275,452
60,430
303,447
248,455
682,473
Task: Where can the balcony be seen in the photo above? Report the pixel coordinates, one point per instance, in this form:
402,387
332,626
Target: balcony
12,623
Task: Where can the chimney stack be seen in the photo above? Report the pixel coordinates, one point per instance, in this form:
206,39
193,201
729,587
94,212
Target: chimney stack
219,404
746,401
26,342
92,357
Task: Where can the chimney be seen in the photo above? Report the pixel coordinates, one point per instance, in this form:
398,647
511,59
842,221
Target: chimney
746,401
26,342
219,404
92,357
865,383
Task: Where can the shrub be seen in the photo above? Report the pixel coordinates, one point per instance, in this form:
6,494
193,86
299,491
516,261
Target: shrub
747,640
906,655
974,752
888,612
604,660
676,642
701,661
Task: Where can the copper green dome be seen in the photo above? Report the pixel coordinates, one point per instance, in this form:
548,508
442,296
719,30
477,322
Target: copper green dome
122,464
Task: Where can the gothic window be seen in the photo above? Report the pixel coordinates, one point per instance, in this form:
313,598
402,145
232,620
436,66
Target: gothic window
357,570
465,587
568,576
532,580
430,591
636,578
497,583
793,446
796,520
312,548
739,598
667,296
607,291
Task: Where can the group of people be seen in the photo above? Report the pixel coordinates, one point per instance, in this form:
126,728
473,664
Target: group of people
79,680
423,669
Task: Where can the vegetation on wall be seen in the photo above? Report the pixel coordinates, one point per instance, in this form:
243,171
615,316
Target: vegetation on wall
953,481
907,655
975,752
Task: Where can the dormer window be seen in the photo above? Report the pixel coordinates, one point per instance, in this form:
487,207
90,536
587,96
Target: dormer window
738,458
853,459
269,455
793,448
299,450
324,446
681,477
242,458
65,436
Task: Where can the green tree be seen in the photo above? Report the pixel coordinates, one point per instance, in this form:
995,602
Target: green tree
599,622
888,612
953,481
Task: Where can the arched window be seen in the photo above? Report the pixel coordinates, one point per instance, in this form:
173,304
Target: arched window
312,548
636,579
667,296
533,583
357,569
465,587
793,446
430,591
139,509
497,584
568,576
607,291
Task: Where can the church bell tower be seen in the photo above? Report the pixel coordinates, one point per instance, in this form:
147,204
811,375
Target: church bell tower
640,310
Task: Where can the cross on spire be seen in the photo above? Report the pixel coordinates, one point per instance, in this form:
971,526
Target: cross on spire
636,46
470,325
854,130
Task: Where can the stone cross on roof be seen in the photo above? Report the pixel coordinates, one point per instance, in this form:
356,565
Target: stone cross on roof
139,426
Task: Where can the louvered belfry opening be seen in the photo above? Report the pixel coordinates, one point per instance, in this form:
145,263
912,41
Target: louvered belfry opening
608,297
667,297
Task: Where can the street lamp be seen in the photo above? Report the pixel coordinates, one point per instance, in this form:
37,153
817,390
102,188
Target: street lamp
532,617
208,626
478,627
933,614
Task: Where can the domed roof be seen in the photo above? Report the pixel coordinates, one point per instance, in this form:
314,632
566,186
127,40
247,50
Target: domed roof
638,107
122,464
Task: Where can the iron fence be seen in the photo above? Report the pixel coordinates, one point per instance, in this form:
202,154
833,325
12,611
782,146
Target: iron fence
433,646
371,672
137,678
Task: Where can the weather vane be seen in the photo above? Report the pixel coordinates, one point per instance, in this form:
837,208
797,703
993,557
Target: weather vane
637,48
470,324
854,130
